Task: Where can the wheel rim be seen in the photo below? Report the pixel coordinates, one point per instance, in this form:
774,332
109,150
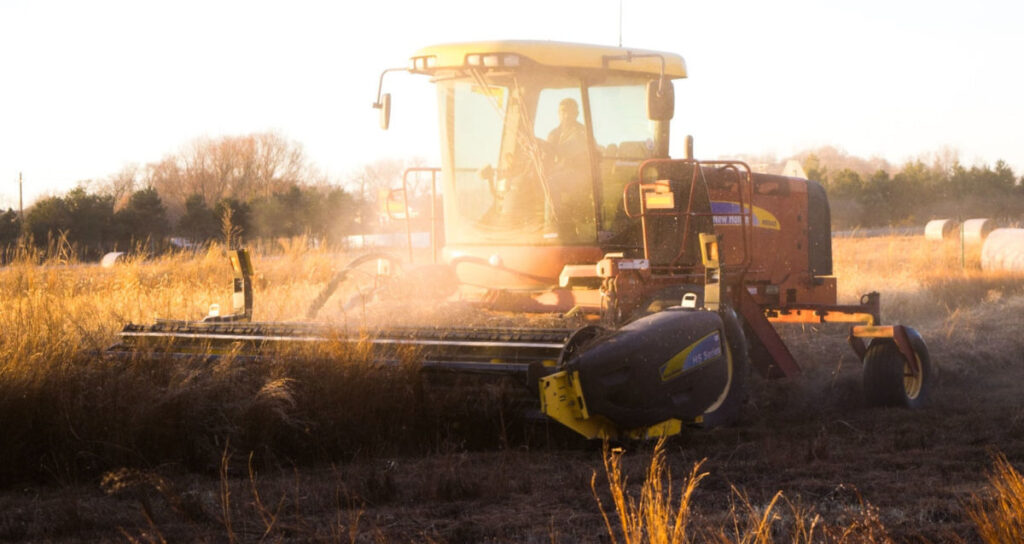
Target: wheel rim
913,381
367,282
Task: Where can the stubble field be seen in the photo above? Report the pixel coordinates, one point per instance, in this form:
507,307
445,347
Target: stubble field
328,448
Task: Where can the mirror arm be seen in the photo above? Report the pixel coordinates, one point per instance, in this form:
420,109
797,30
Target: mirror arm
380,86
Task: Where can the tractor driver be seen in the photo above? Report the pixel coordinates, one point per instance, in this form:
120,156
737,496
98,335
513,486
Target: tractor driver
569,139
570,175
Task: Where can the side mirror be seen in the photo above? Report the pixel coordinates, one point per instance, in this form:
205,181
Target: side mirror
385,110
661,100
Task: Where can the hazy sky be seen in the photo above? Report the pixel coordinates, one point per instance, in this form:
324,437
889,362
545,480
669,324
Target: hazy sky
89,87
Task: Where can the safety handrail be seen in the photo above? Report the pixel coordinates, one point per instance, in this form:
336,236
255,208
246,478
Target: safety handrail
744,196
645,212
434,216
745,200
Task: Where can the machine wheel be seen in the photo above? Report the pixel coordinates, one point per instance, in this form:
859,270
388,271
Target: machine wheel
727,410
888,378
359,282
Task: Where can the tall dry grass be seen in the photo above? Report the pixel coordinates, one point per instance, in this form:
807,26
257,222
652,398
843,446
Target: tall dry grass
70,413
998,514
919,279
650,515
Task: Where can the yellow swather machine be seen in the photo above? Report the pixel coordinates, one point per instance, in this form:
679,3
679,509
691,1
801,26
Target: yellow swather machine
559,195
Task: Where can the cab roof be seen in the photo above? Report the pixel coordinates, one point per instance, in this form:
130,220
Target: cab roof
554,54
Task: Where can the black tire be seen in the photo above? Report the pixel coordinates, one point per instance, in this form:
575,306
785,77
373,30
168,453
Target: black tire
727,410
888,379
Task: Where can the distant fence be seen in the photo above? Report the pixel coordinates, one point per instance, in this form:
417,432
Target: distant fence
880,231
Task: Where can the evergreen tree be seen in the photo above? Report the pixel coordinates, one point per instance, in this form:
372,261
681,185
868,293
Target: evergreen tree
199,223
144,219
48,219
10,228
92,227
846,183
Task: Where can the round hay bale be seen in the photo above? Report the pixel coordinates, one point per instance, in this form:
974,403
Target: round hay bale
1003,250
112,258
975,230
939,229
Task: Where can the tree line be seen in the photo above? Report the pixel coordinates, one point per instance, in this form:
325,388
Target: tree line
261,186
234,188
92,226
920,190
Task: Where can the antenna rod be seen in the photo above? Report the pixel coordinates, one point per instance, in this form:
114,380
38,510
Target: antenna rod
620,23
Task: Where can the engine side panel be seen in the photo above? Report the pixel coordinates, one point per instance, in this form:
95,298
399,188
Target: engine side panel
788,255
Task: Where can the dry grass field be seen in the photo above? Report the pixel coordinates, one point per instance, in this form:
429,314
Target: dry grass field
327,448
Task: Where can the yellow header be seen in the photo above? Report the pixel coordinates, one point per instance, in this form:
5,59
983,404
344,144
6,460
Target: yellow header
555,54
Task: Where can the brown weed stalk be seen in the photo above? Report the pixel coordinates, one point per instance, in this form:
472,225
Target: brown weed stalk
653,518
999,515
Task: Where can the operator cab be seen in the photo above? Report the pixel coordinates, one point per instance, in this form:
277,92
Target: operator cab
539,141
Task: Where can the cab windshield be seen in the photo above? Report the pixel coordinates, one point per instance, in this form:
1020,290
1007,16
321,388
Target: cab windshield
539,157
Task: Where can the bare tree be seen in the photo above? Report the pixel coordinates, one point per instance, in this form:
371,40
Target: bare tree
383,175
240,167
121,185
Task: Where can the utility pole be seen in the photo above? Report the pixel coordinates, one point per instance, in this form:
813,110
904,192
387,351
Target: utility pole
21,201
